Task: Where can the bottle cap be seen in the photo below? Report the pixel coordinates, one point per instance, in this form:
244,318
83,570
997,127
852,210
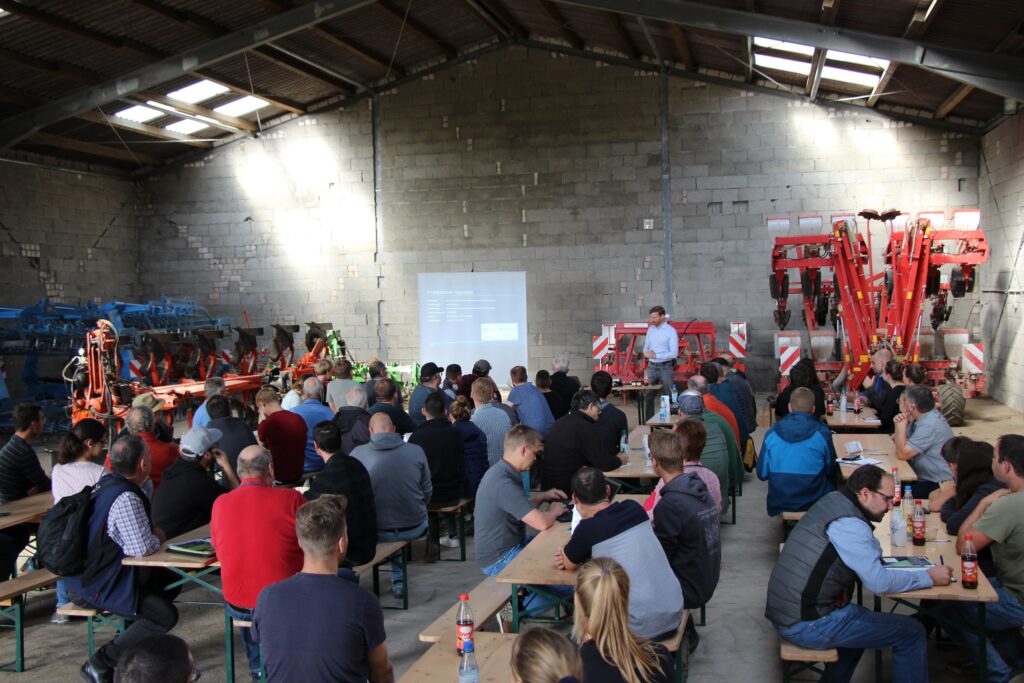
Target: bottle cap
968,537
467,646
917,501
464,597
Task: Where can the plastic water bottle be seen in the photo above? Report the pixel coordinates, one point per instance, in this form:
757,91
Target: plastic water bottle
896,501
675,396
647,450
664,410
463,624
842,403
909,507
623,442
469,671
897,528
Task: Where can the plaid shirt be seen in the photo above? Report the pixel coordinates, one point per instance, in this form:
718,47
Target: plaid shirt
128,525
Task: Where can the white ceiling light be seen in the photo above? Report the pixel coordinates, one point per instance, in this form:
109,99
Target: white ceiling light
795,48
241,107
836,55
198,92
831,73
780,64
187,127
139,114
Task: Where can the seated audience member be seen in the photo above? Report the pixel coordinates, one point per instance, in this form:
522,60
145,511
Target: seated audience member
142,421
474,445
343,475
185,499
699,385
75,470
727,394
810,592
283,433
561,383
920,432
743,388
235,434
253,530
157,659
694,436
430,383
874,387
442,445
214,386
323,370
611,422
889,407
353,421
313,412
951,454
315,626
21,475
686,522
540,655
503,509
622,532
388,402
557,406
378,371
491,420
481,368
119,526
996,524
712,449
401,488
803,374
450,385
292,397
914,374
337,389
797,458
574,441
531,408
972,471
611,653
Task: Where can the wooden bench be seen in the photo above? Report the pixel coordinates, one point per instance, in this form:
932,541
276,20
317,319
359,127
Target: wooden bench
796,659
676,644
384,552
455,509
95,619
12,606
486,600
230,624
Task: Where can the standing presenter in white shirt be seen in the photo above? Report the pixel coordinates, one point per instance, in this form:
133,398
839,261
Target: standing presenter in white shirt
660,349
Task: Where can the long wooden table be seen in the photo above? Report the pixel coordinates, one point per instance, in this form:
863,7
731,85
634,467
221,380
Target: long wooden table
28,509
441,663
878,446
938,547
850,420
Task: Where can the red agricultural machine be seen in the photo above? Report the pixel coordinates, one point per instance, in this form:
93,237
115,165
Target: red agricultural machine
619,350
861,308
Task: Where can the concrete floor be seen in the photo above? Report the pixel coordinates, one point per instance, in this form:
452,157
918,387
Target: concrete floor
738,643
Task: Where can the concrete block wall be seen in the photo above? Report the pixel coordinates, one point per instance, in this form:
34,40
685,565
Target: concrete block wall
524,160
1002,281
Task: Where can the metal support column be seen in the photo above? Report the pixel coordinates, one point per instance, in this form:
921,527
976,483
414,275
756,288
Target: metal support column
666,189
378,219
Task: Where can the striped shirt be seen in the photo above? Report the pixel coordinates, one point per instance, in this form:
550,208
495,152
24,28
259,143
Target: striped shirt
493,422
20,471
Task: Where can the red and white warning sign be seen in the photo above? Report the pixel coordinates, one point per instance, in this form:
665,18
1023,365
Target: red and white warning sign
605,343
788,358
738,339
135,369
972,359
224,357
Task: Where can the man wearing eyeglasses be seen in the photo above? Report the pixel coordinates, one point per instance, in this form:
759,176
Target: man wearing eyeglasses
811,586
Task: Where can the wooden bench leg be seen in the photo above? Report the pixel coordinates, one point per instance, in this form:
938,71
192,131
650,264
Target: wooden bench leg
734,506
702,621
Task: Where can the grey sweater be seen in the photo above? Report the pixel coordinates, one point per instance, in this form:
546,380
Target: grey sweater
400,477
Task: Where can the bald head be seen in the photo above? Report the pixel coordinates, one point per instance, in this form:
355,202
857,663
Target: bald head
380,423
697,383
312,389
255,461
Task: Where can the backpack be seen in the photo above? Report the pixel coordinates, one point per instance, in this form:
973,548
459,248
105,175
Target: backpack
63,537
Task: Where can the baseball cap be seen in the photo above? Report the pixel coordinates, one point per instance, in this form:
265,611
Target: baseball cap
148,401
691,404
481,366
198,440
428,370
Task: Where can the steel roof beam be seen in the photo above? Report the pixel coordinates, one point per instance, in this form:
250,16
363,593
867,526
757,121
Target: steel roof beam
419,29
22,125
999,74
92,148
562,24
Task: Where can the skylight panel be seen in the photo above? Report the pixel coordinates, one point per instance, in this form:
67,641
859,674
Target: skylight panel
241,107
198,92
795,48
780,64
187,127
139,114
836,55
832,73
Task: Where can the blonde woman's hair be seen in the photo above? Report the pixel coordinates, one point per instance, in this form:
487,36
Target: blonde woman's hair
460,409
602,613
543,656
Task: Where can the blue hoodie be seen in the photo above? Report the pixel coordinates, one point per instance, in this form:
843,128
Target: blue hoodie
797,458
